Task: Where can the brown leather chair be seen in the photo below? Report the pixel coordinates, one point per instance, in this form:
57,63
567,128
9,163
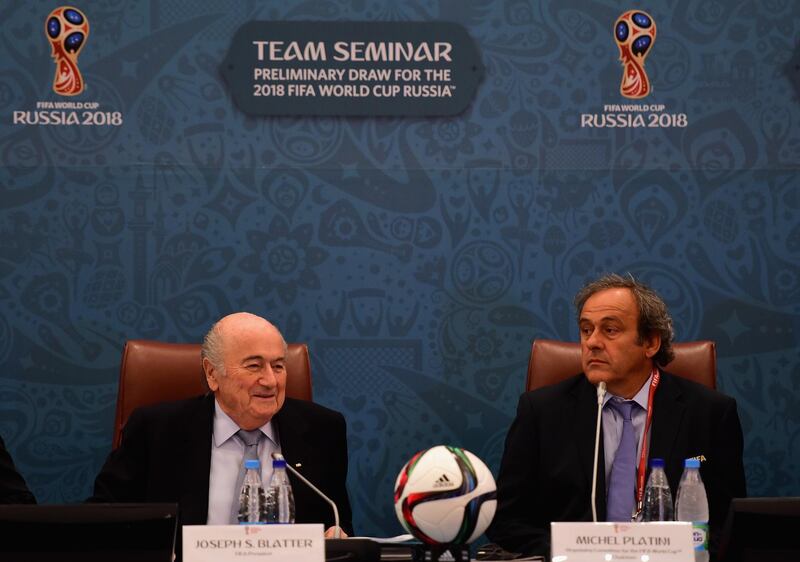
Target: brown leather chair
154,371
553,361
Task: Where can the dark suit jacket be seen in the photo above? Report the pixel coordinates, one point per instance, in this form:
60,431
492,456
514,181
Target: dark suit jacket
546,471
12,486
165,456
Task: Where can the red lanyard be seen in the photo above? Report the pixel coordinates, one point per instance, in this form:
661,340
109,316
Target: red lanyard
643,457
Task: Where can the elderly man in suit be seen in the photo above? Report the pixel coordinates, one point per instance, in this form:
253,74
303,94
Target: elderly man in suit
191,451
546,472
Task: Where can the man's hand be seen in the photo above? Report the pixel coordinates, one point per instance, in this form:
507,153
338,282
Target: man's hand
330,533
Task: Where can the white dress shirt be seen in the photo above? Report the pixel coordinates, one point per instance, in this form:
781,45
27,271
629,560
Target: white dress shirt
227,456
612,425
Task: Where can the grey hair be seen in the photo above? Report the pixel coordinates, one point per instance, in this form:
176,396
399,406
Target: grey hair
654,317
212,347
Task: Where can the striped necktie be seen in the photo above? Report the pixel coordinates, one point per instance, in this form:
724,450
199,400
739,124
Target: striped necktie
250,439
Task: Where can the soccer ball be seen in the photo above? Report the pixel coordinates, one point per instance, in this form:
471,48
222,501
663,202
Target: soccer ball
445,495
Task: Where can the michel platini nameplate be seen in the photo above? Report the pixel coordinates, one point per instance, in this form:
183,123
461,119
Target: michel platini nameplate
352,68
622,542
254,543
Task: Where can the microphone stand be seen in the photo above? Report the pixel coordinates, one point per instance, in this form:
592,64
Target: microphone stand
336,530
601,392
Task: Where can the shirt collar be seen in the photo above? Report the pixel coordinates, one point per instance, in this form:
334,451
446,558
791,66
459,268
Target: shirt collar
225,427
640,397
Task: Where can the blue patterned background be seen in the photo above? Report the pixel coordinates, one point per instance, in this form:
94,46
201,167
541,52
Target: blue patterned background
418,257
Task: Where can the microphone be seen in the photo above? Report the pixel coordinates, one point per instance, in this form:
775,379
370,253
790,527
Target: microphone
601,392
337,529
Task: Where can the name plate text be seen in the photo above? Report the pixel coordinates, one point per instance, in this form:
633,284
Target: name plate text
254,543
622,542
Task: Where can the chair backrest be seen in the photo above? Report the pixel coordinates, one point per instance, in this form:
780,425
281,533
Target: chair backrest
154,371
553,361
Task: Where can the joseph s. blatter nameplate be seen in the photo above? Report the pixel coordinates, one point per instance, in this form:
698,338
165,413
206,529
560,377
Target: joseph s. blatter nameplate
254,543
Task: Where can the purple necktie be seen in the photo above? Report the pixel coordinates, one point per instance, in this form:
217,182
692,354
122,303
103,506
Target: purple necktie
622,481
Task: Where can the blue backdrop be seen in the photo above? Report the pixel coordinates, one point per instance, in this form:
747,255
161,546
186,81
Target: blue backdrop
418,257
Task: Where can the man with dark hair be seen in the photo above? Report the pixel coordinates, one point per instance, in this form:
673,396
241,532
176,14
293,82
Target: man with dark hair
12,486
192,451
546,472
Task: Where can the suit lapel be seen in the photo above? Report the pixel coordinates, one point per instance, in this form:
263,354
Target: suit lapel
584,418
195,461
292,431
668,412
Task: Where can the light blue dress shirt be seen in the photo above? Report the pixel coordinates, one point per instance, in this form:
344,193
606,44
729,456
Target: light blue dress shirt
227,456
612,425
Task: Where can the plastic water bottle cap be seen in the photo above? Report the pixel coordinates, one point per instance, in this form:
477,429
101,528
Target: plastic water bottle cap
279,463
656,463
691,463
251,464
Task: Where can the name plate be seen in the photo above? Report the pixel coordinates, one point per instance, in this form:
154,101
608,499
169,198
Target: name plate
273,543
668,541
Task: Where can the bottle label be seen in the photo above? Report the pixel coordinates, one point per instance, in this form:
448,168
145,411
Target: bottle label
700,535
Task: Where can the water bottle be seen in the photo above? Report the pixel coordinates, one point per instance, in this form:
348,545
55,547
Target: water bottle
252,501
692,505
280,500
657,497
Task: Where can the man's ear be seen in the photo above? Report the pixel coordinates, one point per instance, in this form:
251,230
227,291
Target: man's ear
652,344
211,374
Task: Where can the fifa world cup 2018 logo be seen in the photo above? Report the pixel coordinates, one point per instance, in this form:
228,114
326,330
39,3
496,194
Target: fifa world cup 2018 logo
67,30
635,33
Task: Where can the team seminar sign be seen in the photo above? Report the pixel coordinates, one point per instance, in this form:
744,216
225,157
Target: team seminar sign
352,68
